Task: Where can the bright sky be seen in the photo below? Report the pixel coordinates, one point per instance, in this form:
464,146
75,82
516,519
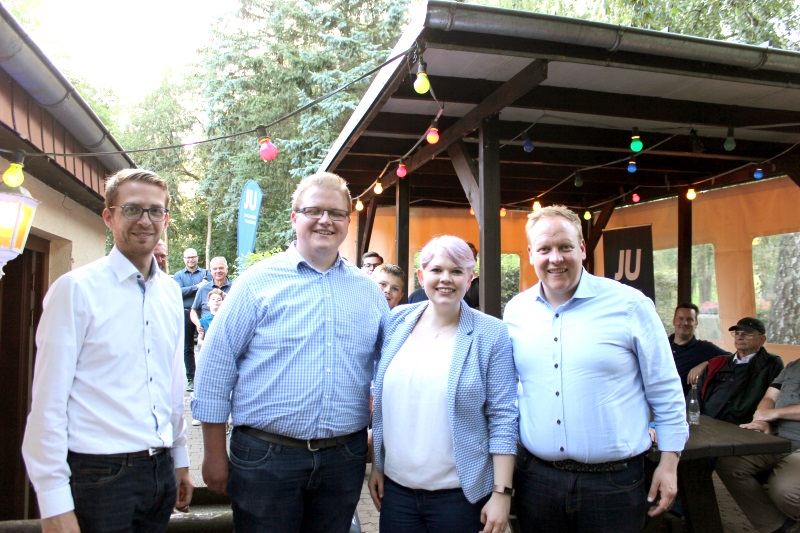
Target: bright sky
110,42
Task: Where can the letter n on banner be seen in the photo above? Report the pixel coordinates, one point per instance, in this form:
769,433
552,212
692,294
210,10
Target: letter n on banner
628,257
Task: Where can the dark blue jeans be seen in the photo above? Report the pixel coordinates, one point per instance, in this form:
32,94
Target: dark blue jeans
189,331
292,490
405,510
114,495
548,499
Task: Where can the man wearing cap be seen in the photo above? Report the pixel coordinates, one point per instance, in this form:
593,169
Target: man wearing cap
732,385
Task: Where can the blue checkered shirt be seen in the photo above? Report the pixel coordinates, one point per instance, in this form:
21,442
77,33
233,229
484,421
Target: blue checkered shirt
292,350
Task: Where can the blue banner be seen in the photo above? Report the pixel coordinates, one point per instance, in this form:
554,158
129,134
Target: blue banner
249,208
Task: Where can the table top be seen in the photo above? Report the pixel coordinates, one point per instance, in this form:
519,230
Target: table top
715,438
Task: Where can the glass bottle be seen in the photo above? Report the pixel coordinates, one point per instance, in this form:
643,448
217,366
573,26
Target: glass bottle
693,407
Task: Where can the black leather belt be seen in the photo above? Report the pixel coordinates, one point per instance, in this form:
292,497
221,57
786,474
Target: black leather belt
576,466
310,444
150,452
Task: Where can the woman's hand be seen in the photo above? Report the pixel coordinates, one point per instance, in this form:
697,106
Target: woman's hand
495,513
376,487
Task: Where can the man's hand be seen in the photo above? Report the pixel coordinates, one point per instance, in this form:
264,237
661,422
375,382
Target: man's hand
201,283
494,514
60,523
185,489
765,415
760,426
665,484
695,373
215,457
376,487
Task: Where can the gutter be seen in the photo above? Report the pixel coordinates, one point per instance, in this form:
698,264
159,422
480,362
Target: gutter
25,62
454,16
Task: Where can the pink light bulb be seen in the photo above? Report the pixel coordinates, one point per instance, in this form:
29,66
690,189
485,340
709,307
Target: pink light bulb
267,150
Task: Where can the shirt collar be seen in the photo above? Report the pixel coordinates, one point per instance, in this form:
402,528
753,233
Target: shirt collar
745,359
585,288
297,258
124,269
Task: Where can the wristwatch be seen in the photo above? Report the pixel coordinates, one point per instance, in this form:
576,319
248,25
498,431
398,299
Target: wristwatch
500,489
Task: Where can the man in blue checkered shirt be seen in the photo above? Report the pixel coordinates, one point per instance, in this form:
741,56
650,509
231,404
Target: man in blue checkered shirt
290,359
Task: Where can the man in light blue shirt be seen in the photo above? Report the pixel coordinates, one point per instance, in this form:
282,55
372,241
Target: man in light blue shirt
593,362
290,358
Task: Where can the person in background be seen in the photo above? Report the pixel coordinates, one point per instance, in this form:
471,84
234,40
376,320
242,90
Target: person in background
105,443
189,279
214,300
445,419
776,506
369,261
592,367
732,385
690,354
285,360
392,280
219,280
161,254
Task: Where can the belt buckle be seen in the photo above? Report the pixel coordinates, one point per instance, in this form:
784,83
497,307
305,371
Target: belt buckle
153,451
308,445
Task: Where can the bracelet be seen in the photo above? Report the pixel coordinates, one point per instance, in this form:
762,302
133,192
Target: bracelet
500,489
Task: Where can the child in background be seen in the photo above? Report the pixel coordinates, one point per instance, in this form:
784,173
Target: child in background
215,298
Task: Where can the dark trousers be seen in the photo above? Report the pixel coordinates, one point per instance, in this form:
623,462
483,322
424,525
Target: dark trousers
292,490
118,495
548,499
405,510
189,331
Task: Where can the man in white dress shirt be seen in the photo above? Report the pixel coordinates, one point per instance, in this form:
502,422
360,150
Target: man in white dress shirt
593,362
105,443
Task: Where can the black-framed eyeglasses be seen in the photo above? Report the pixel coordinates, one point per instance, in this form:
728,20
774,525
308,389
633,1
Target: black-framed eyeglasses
134,212
315,213
738,333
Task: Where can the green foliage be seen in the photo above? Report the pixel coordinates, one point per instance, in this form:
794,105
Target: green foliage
249,260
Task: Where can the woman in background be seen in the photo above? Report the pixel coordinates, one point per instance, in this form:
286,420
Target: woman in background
445,419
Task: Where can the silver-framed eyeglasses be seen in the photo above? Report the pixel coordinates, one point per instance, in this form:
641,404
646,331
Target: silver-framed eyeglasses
134,212
742,334
315,213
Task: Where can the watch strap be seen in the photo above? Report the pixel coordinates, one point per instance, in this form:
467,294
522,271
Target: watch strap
501,489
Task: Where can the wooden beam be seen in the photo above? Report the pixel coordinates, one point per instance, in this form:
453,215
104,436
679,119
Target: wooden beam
489,179
467,174
402,197
365,236
507,94
684,248
598,226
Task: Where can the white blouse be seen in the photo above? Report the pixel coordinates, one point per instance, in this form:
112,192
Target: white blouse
417,439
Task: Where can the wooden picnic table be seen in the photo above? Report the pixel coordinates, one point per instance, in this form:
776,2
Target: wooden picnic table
711,439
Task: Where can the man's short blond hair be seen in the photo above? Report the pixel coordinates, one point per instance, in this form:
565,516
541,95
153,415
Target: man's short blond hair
553,211
392,270
322,180
133,174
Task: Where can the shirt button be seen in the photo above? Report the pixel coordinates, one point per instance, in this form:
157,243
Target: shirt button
562,448
151,379
327,370
556,315
555,366
146,322
558,422
555,339
558,393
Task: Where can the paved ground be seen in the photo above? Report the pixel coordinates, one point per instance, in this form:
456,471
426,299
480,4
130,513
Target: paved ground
732,518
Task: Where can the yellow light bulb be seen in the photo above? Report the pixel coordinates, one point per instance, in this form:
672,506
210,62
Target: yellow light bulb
536,205
587,215
13,177
378,187
691,194
359,205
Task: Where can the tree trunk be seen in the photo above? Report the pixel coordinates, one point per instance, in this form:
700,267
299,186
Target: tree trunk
783,326
208,236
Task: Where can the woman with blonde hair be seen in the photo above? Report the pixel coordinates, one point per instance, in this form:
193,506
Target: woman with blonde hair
445,419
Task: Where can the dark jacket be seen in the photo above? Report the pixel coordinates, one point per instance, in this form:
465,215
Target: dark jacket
762,369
